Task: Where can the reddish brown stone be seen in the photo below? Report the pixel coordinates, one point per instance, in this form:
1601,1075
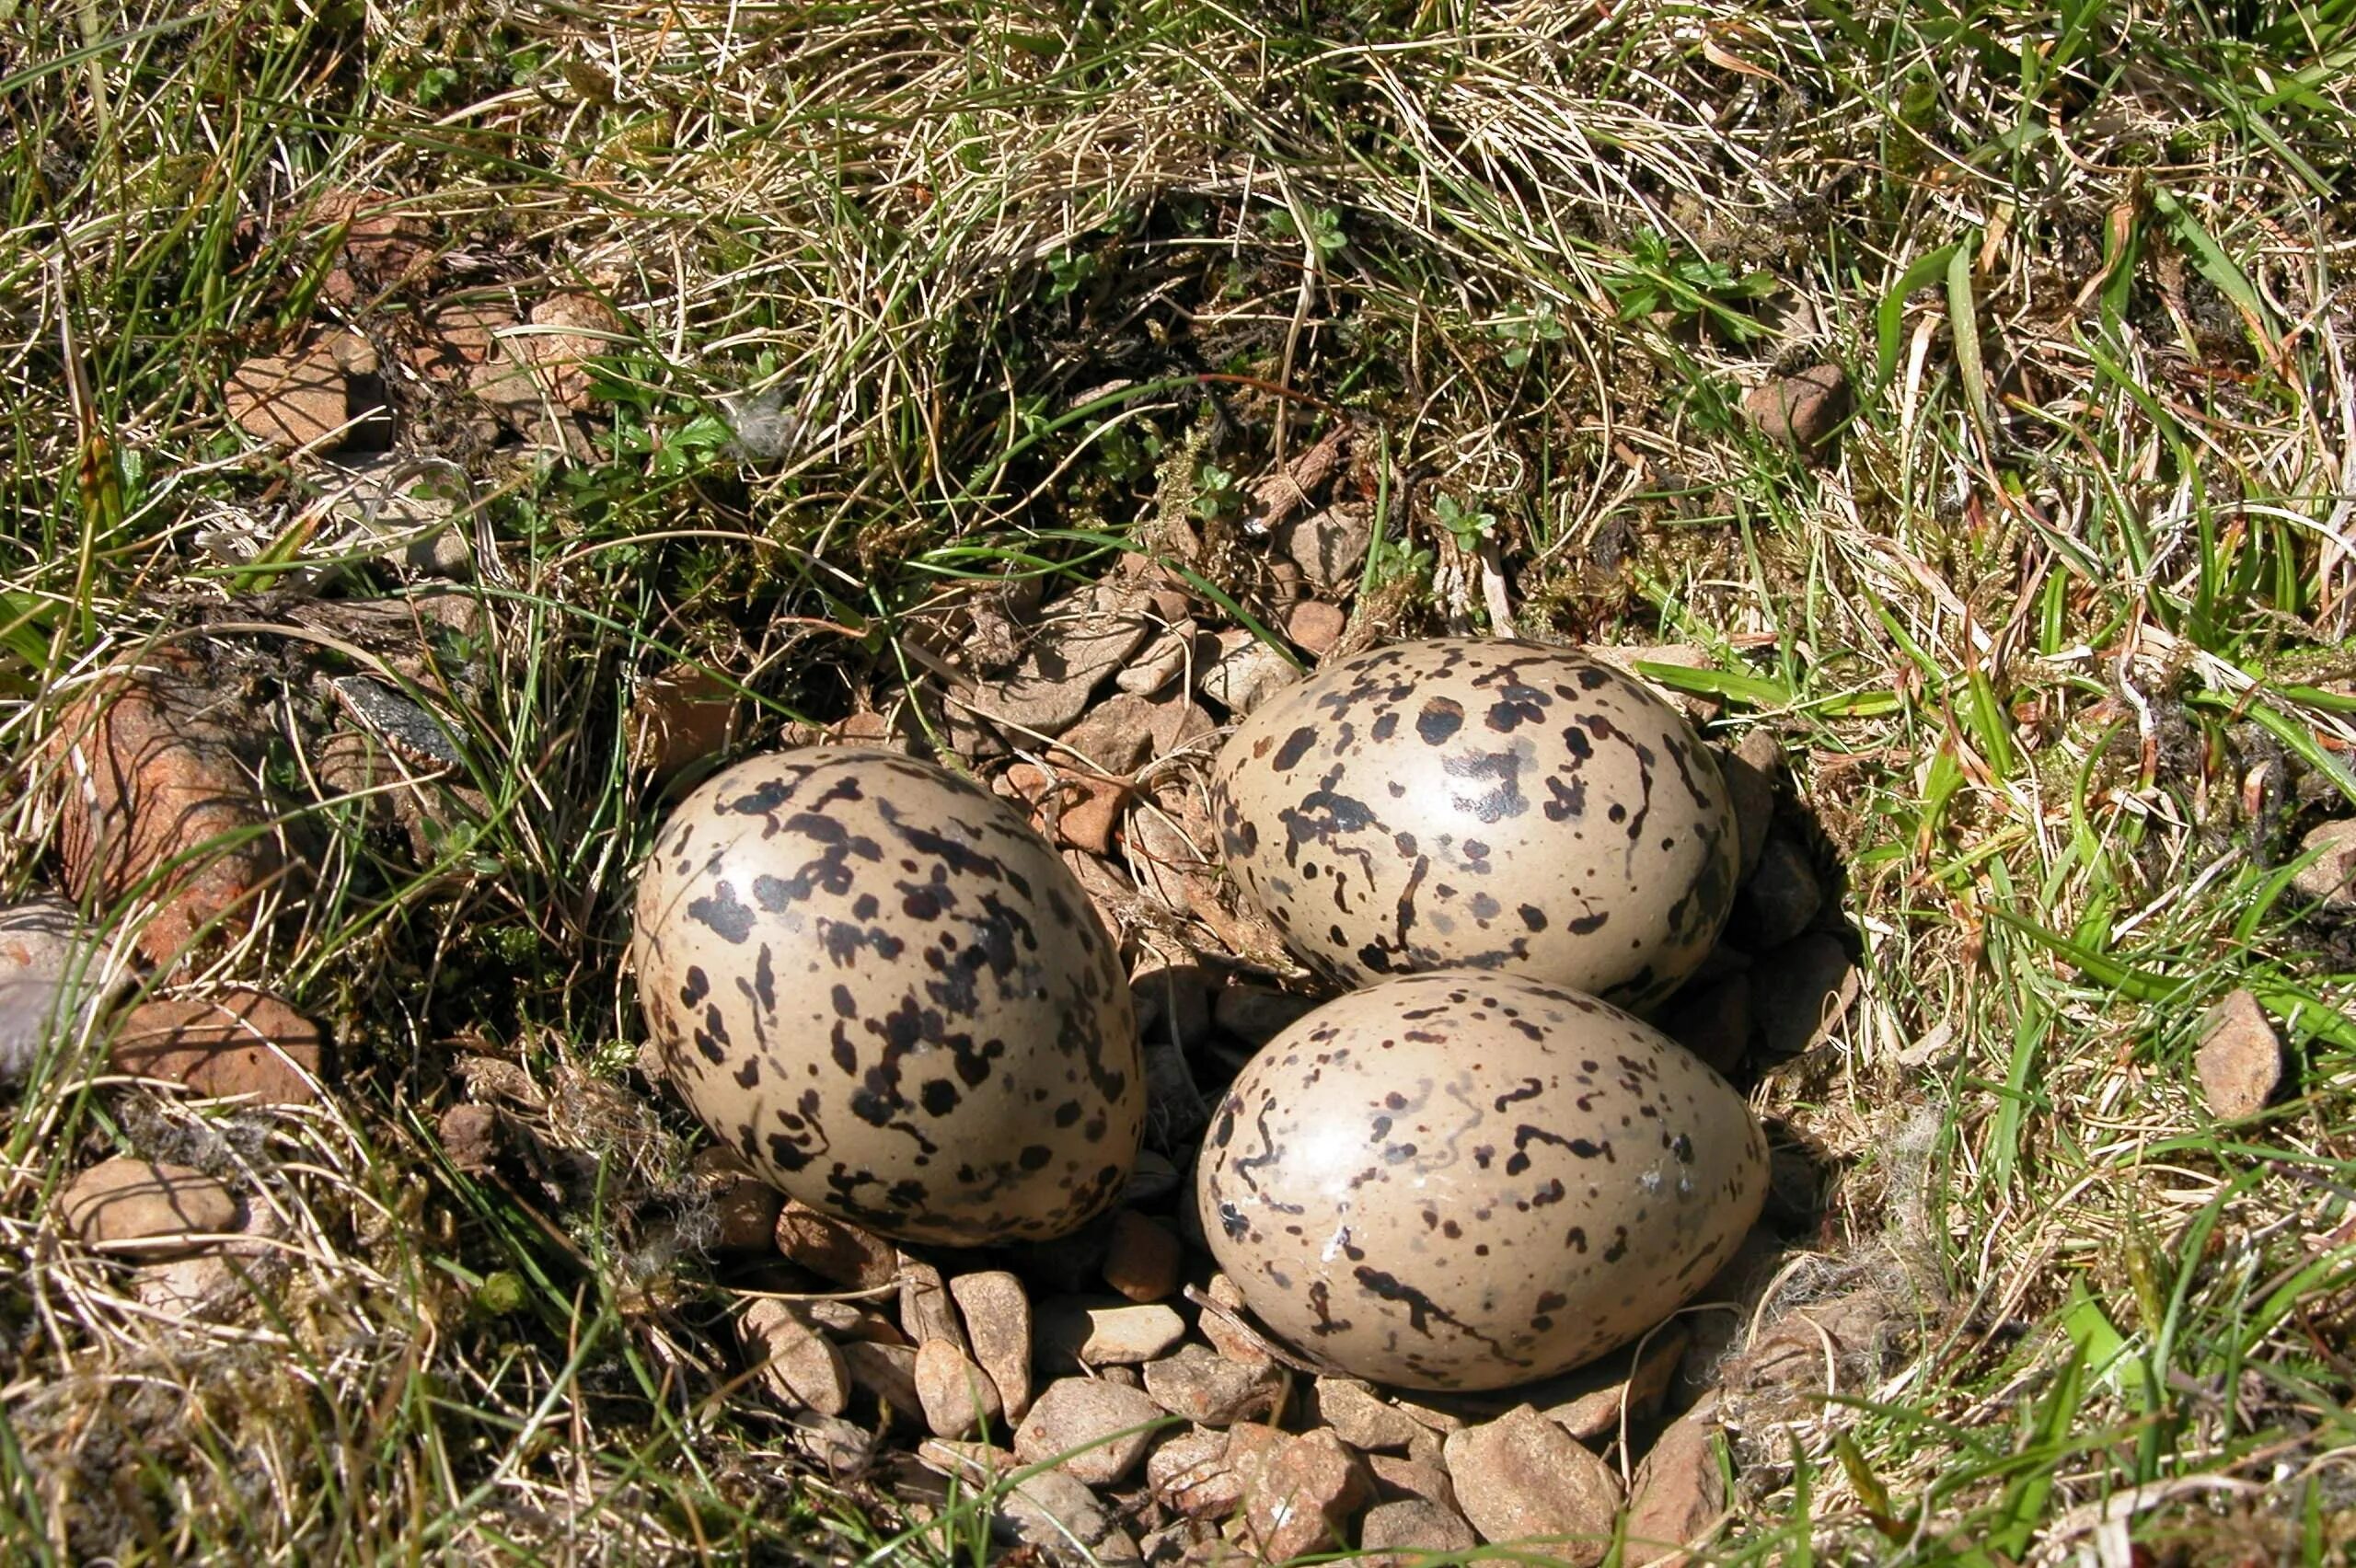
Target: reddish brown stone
1314,626
1144,1259
236,1041
677,718
154,788
834,1249
1313,1488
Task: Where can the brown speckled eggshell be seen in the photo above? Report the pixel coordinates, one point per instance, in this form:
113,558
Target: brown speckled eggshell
1465,1179
873,981
1491,805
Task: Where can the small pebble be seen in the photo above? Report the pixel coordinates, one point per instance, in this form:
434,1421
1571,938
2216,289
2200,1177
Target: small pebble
997,1324
1210,1391
1362,1418
926,1312
1313,1489
835,1249
1075,1331
146,1208
958,1397
1097,1430
1144,1259
796,1362
2239,1059
1522,1476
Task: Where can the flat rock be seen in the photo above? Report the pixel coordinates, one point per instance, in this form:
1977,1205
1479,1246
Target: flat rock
1113,738
1399,1534
679,716
54,974
1151,1180
1221,1335
927,1310
1800,992
746,1206
2239,1059
887,1371
545,368
1246,674
1330,546
1210,1391
1782,896
1363,1418
1102,1428
1799,411
1218,1484
1049,1512
958,1397
1678,1493
1413,1474
1075,1331
153,779
146,1208
571,330
1522,1479
234,1042
796,1362
1312,1489
1594,1413
1189,1475
1750,773
1713,1021
1177,723
835,1249
846,1320
996,1311
1162,660
290,402
460,334
383,247
1257,1014
1167,861
1143,1262
841,1448
2332,878
1075,651
1626,657
1172,1002
1175,1110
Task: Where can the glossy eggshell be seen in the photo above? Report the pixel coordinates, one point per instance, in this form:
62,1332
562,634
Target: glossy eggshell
873,981
1465,1179
1489,804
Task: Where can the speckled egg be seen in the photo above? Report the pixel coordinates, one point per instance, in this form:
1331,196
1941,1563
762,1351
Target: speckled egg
871,979
1488,804
1467,1179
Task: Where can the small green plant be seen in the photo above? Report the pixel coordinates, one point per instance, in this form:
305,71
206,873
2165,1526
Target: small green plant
1324,228
1522,334
1653,279
1069,271
1217,494
1397,560
1472,529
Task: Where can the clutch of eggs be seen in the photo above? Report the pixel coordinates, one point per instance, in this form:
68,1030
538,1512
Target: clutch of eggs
873,980
1484,803
1468,1180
